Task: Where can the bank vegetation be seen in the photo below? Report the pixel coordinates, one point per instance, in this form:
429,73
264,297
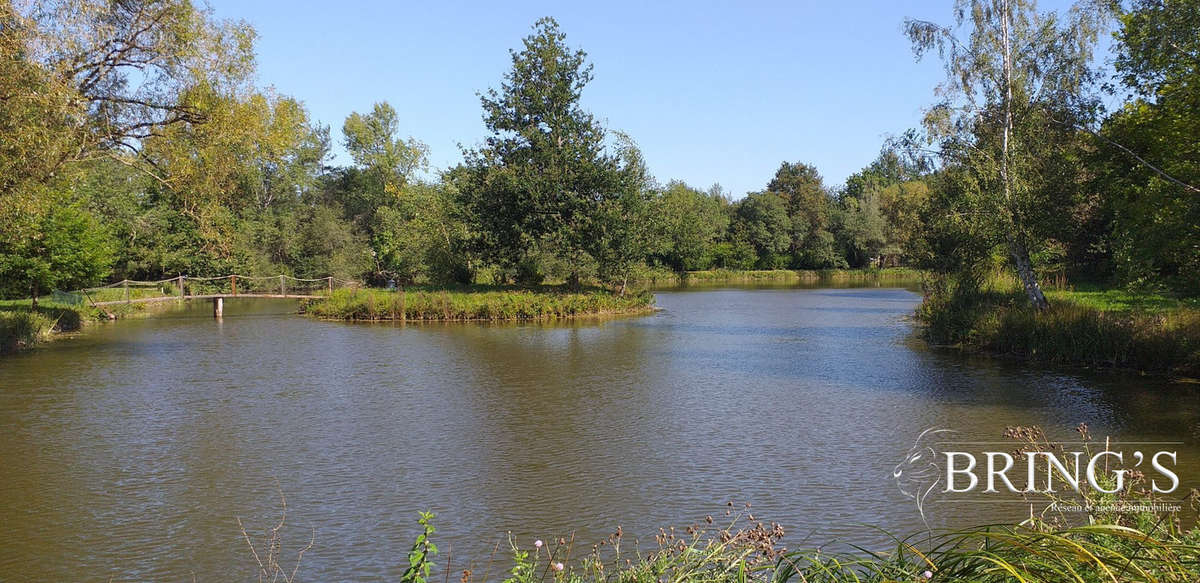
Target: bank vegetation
479,303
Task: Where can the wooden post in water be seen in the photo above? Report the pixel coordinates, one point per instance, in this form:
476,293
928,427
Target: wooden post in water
233,282
282,287
181,294
218,307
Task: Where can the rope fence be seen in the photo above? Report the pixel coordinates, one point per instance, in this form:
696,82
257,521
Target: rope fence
184,287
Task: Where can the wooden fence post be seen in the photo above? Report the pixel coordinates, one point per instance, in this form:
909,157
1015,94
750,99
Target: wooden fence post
331,285
126,282
181,293
282,287
233,283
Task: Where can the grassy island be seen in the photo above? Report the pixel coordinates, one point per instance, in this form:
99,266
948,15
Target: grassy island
478,303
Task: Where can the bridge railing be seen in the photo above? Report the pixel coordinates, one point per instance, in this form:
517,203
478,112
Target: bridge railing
183,286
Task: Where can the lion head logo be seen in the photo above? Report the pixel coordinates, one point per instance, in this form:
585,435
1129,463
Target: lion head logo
920,474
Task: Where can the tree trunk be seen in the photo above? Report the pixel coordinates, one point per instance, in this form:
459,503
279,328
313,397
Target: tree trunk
624,280
1016,247
1020,257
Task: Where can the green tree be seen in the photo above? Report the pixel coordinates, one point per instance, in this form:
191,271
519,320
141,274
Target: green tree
68,249
1149,157
863,231
544,175
82,80
224,184
761,220
1015,87
385,161
692,222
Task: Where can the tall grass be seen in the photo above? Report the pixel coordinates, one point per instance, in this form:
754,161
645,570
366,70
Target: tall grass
480,304
22,327
806,275
1093,328
1034,553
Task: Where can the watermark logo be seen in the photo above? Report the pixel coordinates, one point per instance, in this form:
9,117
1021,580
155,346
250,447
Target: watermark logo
937,465
920,475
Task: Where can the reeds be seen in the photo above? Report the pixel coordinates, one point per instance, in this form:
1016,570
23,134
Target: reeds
1101,329
810,275
487,305
22,327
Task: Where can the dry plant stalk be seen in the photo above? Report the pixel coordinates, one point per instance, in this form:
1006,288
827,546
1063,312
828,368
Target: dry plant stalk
269,567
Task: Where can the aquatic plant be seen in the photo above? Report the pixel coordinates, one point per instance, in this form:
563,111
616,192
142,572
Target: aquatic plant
474,304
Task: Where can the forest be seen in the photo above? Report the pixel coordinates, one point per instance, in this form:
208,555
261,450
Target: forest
135,143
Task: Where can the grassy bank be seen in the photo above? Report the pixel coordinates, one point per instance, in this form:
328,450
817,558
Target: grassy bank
23,327
1090,327
475,303
800,275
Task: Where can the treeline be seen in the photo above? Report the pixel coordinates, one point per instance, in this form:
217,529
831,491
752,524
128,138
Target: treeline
135,144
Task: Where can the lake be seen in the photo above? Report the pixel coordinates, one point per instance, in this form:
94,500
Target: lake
130,451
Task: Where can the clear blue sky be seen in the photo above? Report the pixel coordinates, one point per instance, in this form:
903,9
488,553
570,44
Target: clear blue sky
711,92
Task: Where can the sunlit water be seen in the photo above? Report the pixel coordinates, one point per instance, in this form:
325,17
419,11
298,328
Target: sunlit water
130,451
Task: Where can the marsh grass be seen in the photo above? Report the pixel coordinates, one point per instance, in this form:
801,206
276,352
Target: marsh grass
475,303
900,274
1032,552
23,326
1098,328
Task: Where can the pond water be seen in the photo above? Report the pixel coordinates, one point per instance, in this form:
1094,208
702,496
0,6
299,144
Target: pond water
130,451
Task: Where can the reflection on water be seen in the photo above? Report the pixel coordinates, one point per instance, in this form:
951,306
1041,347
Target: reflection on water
130,450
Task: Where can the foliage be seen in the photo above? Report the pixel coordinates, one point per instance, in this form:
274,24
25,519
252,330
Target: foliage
66,247
1153,197
692,223
1031,551
1015,90
422,554
761,220
545,178
22,329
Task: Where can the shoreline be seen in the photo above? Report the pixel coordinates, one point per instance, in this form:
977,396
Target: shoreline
1135,333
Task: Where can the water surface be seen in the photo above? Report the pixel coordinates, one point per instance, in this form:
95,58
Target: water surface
130,451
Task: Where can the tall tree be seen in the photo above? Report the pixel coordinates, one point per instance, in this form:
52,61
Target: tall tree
1016,74
544,175
1150,156
82,80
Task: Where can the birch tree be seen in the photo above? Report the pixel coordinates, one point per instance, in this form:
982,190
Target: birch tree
1013,76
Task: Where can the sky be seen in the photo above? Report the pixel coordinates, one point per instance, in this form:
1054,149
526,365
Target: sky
712,92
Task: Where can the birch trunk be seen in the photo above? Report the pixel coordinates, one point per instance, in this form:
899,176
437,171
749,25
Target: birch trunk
1017,248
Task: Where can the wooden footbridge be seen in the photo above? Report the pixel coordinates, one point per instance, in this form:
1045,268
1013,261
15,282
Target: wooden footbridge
216,289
